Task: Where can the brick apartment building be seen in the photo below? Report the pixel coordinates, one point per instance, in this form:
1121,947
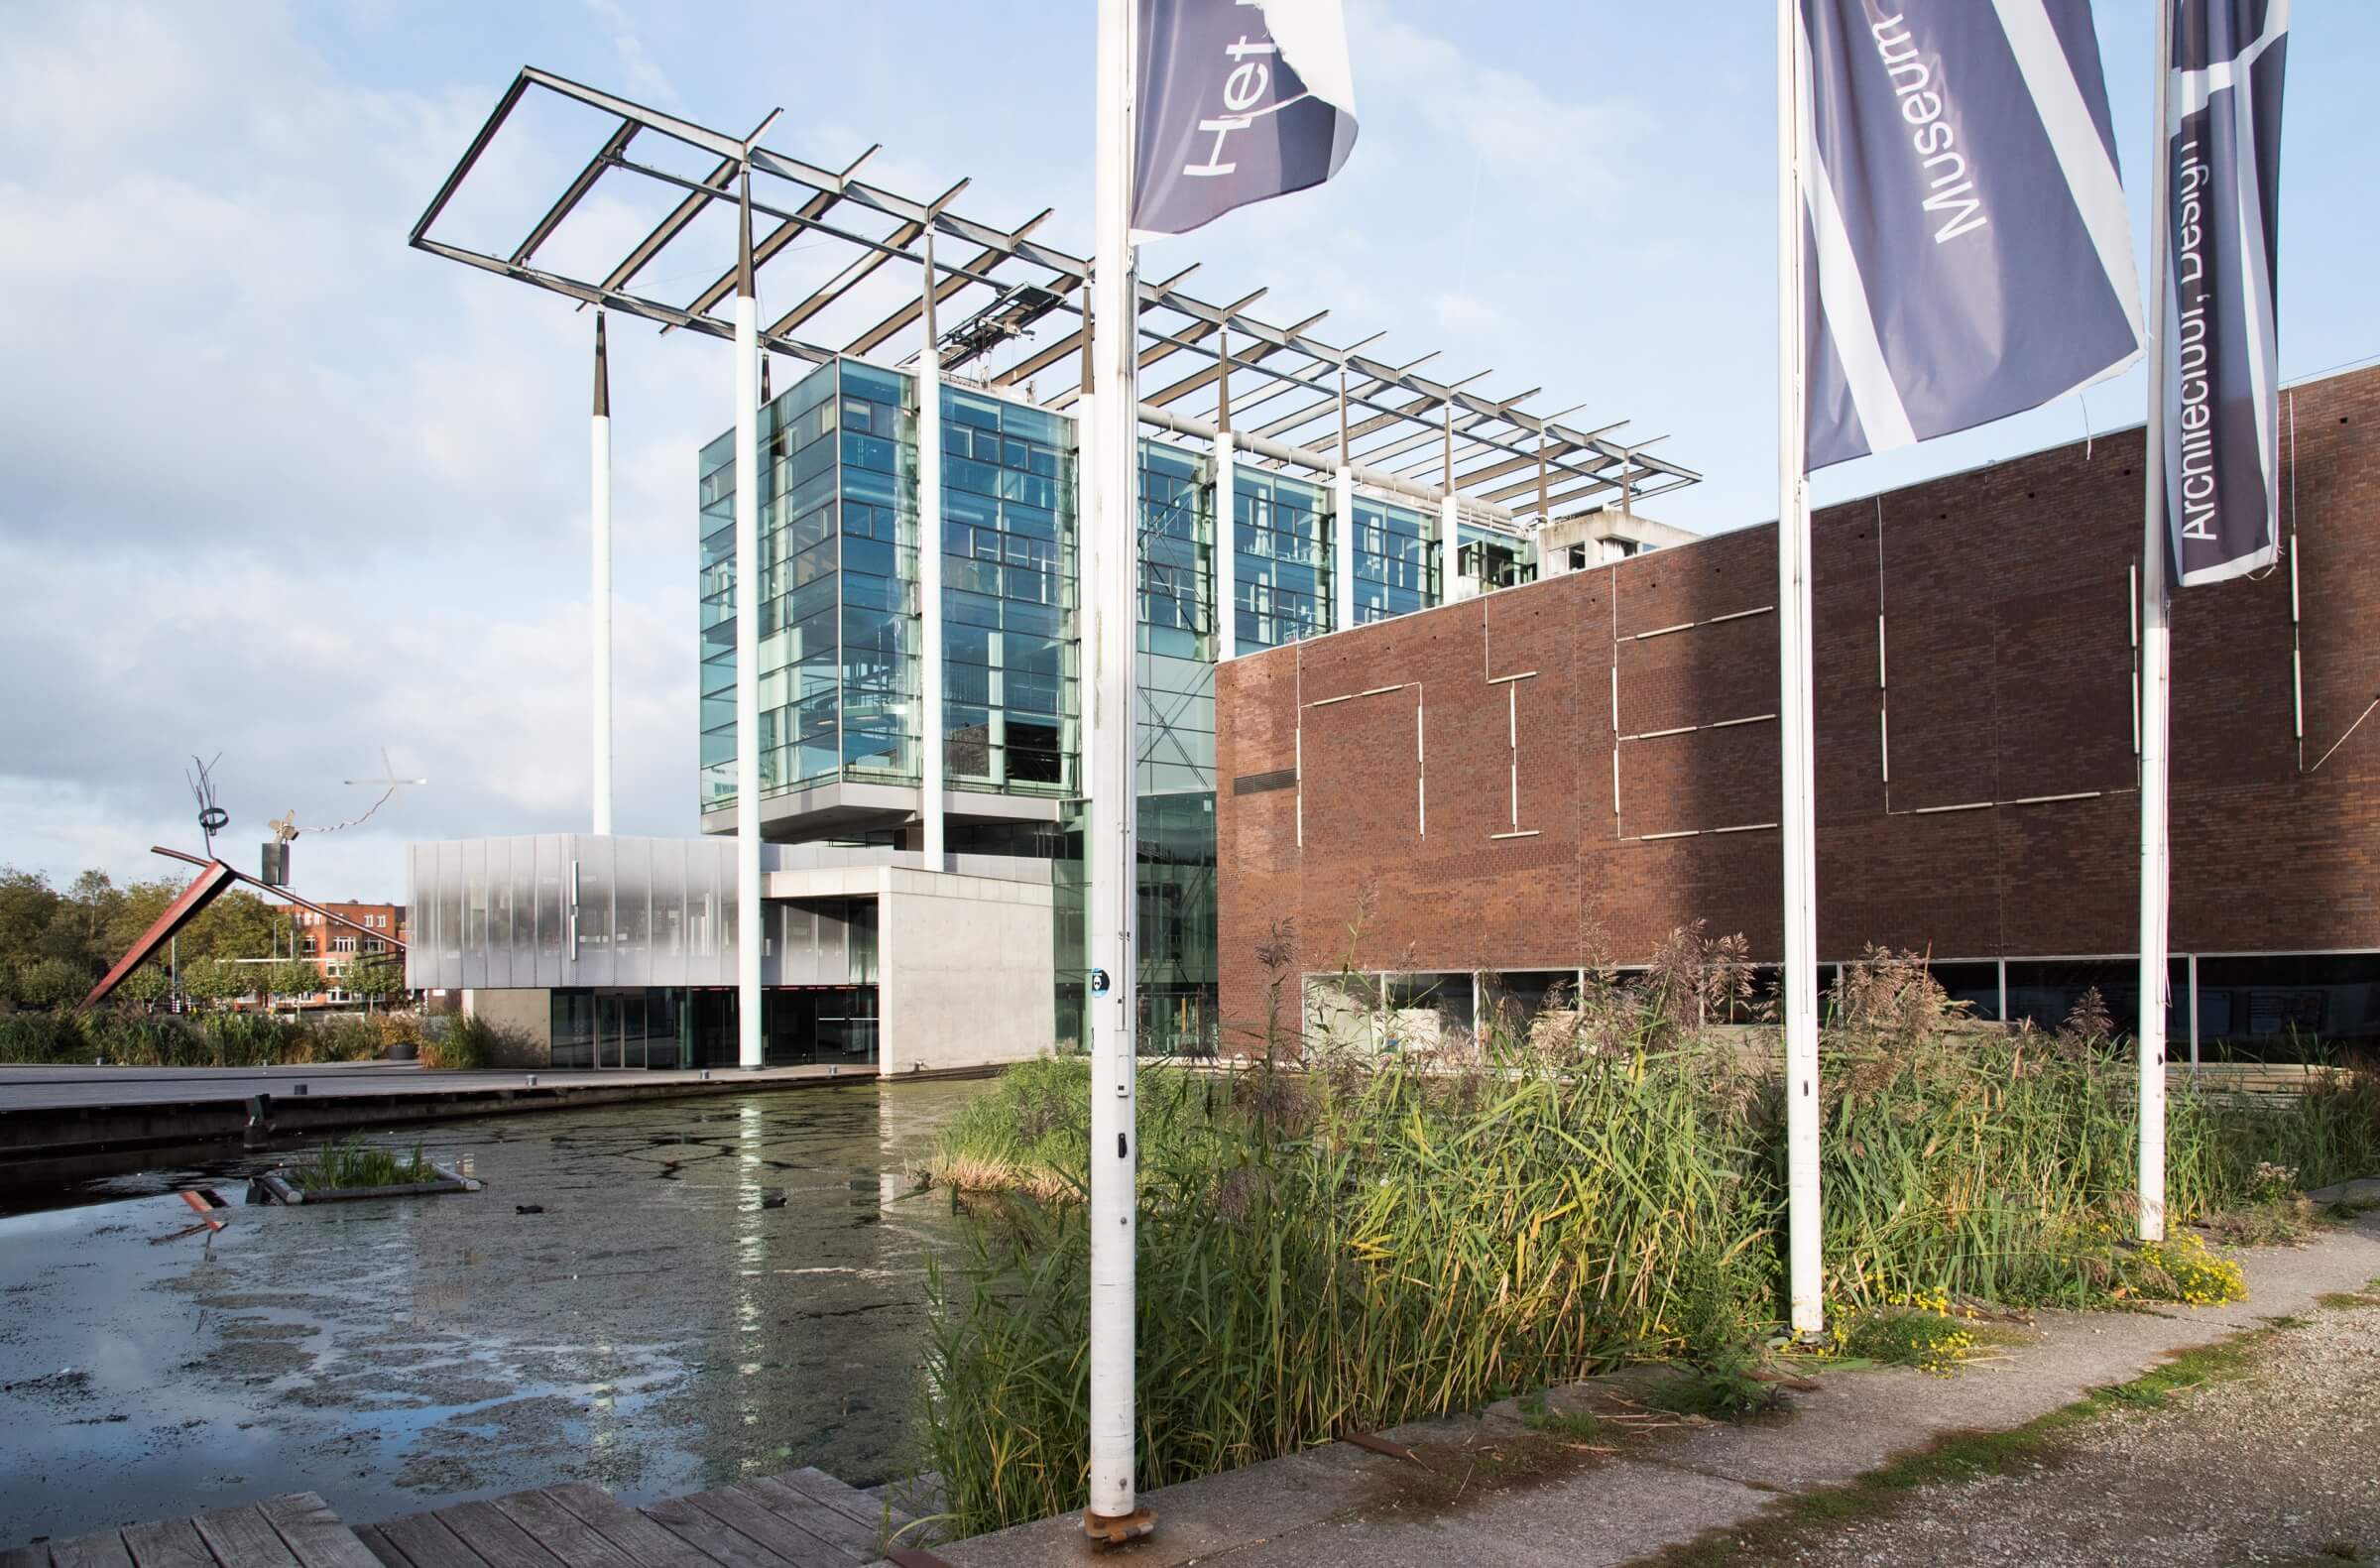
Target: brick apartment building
1486,795
332,948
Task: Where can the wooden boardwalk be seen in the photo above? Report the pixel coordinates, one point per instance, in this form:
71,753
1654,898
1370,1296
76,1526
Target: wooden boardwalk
804,1518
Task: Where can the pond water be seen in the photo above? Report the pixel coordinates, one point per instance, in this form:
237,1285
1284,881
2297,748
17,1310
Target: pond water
715,1288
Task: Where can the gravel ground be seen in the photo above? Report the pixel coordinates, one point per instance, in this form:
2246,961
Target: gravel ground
2281,1466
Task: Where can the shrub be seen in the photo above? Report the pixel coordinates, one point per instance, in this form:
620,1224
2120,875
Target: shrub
37,1039
51,983
467,1043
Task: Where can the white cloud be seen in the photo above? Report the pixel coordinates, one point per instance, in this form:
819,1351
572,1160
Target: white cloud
1508,123
273,483
646,79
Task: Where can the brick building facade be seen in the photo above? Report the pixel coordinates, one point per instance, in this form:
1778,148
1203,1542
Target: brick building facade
1564,772
331,947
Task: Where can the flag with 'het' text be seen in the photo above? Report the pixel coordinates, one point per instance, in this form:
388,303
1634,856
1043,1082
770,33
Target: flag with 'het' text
1240,101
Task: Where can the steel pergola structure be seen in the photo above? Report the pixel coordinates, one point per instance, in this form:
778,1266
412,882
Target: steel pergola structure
1285,398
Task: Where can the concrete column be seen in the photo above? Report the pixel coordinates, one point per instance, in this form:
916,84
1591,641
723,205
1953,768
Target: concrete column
1227,553
1343,549
929,571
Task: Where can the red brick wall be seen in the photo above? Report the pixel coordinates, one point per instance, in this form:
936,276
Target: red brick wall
2006,648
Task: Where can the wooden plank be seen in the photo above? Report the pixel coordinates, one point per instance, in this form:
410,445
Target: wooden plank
380,1547
496,1540
856,1541
750,1516
626,1528
428,1543
169,1543
103,1549
243,1539
753,1518
564,1533
34,1556
313,1533
844,1497
705,1531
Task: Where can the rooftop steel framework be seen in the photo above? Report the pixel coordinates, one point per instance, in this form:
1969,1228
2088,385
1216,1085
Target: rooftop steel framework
1289,399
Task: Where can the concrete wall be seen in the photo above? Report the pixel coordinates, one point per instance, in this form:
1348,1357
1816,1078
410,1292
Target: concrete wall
526,1010
966,969
1564,772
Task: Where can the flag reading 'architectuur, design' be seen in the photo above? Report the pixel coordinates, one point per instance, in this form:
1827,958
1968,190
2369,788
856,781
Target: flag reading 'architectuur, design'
1966,250
2222,467
1240,101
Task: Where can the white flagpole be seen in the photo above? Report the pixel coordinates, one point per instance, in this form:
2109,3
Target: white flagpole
2156,672
1795,709
599,606
747,639
1110,851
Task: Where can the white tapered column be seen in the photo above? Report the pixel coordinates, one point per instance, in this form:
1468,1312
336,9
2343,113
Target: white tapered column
748,642
2156,670
1343,549
930,743
1110,850
599,598
1450,549
1226,549
1798,815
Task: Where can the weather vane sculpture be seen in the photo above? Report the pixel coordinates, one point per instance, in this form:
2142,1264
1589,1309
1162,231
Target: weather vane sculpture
285,826
212,818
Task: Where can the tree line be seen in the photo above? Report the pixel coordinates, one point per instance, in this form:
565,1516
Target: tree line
55,943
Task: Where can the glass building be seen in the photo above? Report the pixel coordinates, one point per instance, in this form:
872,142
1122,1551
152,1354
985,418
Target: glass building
841,641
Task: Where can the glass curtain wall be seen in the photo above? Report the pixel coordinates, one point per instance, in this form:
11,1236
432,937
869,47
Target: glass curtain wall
878,570
1496,560
1281,530
1011,647
1175,919
802,446
1397,568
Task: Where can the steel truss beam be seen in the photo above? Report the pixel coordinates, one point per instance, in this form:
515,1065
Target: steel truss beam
1407,411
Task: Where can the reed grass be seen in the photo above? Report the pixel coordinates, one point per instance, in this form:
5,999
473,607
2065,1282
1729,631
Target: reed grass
351,1162
1336,1242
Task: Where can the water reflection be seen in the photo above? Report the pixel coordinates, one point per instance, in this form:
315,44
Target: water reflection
714,1288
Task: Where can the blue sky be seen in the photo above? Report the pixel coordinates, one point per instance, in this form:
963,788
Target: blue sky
272,484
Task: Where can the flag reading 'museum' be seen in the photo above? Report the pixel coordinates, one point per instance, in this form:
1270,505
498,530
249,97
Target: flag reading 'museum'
2222,480
1966,253
1240,100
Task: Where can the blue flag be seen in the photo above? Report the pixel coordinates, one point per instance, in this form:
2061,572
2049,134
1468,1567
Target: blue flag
1240,101
1966,253
2219,372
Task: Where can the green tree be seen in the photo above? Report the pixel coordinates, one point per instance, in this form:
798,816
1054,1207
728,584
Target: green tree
148,985
28,908
294,978
375,977
87,910
52,983
219,978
